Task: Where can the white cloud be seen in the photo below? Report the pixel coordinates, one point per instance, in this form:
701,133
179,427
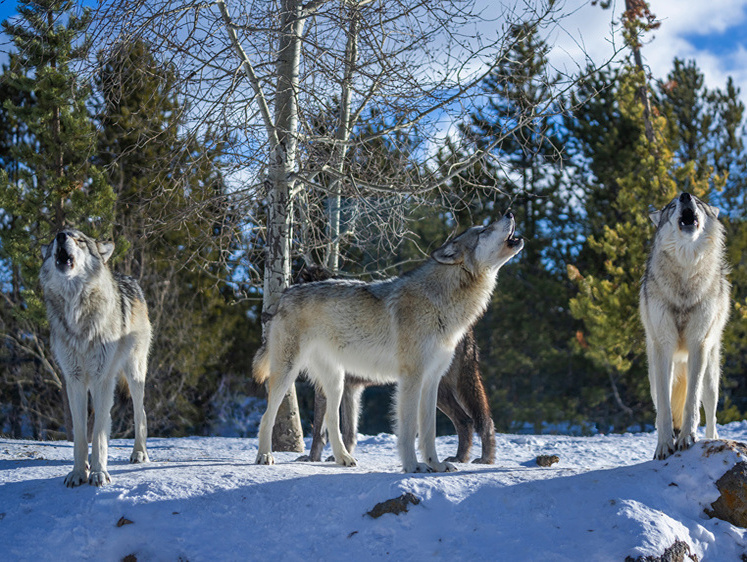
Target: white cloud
587,32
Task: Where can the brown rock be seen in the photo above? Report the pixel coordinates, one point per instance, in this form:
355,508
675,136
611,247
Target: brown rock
395,505
731,506
547,460
678,552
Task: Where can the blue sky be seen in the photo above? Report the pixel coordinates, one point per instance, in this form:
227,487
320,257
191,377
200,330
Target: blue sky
713,32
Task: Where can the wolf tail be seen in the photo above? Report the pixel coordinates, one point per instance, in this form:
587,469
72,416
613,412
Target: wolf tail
261,365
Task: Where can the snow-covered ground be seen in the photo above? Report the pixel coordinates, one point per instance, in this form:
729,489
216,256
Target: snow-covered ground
202,498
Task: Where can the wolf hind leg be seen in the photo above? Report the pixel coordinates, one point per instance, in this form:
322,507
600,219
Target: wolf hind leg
278,385
332,380
350,412
134,372
449,405
318,440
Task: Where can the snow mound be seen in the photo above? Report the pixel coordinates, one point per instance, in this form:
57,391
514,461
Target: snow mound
202,498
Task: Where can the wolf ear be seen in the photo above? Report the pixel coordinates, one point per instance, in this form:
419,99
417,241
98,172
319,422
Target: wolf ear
655,217
45,247
714,210
106,249
450,253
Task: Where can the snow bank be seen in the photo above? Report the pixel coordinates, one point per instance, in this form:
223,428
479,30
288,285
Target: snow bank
204,499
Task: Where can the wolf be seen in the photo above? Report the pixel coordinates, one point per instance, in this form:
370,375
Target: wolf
99,330
684,306
461,396
403,330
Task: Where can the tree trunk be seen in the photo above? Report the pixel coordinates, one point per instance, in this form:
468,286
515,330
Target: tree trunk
287,433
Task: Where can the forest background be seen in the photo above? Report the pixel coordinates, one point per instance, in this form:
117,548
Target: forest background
142,131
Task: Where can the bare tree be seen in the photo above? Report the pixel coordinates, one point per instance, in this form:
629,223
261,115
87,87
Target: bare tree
266,70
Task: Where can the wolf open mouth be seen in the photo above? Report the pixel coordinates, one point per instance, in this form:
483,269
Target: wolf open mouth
513,241
688,218
63,259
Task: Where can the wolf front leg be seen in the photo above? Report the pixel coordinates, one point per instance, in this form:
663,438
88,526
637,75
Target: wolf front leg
660,378
77,395
696,366
102,393
408,399
427,423
710,391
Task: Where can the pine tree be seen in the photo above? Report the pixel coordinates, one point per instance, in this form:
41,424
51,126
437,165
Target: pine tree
52,183
172,227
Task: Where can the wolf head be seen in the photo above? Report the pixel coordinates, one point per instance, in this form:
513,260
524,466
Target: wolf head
482,248
71,256
686,225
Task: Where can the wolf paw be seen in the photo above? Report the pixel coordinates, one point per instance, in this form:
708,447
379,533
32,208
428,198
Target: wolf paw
419,467
346,460
76,478
304,458
664,450
443,467
265,458
455,459
685,441
482,460
99,478
139,456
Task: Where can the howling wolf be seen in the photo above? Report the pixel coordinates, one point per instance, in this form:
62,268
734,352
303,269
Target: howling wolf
401,330
99,329
684,304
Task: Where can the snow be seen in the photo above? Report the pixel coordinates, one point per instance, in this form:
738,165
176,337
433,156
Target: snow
203,498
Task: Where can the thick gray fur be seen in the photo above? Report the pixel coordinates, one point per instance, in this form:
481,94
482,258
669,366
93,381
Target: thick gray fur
684,305
402,330
99,331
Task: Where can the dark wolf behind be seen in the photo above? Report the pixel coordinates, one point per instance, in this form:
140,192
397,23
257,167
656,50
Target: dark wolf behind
99,331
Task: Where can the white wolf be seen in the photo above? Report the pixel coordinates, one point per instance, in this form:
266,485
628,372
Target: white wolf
99,329
684,305
400,330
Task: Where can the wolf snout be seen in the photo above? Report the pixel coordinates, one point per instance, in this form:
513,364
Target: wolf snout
61,237
688,218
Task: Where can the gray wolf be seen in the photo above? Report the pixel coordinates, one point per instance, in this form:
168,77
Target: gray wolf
684,305
461,396
99,330
401,330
